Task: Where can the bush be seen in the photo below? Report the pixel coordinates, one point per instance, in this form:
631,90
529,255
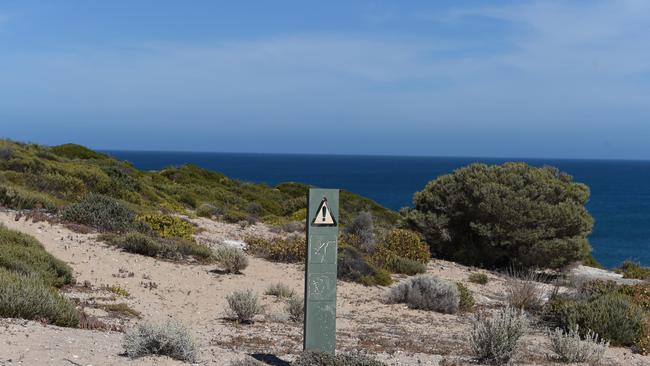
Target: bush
524,291
489,216
465,298
612,316
74,151
403,243
280,290
480,278
295,307
639,294
427,293
101,212
28,297
168,248
24,255
631,269
290,249
494,340
353,266
309,358
570,347
168,226
207,210
243,305
363,229
21,199
231,259
403,265
166,339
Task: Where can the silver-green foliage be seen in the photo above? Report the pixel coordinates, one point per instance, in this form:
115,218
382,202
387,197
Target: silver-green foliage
295,307
570,347
428,293
231,259
494,340
280,290
243,305
170,338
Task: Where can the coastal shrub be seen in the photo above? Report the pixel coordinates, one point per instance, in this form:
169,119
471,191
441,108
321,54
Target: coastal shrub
495,340
295,307
353,266
5,153
21,199
168,248
362,227
405,266
29,297
311,358
632,269
207,210
570,346
234,216
101,212
595,288
489,215
230,259
465,298
524,290
403,243
613,316
480,278
74,151
639,294
426,292
279,290
170,339
59,185
243,305
168,226
24,255
293,227
289,249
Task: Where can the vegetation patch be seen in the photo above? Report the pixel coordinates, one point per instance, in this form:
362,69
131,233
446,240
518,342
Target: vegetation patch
167,226
480,278
427,292
243,305
278,249
167,248
309,358
230,259
279,290
631,269
403,243
465,298
295,307
353,266
101,212
170,339
495,340
572,347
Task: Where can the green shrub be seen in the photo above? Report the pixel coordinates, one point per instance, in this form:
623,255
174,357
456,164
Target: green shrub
168,226
243,305
524,290
295,307
289,249
230,259
24,255
234,216
571,347
363,229
170,339
480,278
631,269
309,358
168,248
402,243
595,288
207,210
29,297
403,265
74,151
21,199
639,294
426,292
465,298
280,290
495,340
353,266
489,216
614,317
101,212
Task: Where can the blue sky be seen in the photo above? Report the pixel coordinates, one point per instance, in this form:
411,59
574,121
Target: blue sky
451,78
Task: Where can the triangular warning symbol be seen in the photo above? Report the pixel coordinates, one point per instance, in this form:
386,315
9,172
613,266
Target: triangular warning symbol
323,215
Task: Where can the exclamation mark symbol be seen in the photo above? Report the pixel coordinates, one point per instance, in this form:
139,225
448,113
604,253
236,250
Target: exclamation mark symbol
324,212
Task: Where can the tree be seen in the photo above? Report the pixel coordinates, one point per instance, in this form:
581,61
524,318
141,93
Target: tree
504,215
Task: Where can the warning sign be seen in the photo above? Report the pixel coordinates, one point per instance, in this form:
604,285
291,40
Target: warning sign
323,215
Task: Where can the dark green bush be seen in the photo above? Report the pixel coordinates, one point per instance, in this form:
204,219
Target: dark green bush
480,278
363,229
612,316
632,269
208,210
308,358
22,199
466,299
490,216
101,212
168,248
74,151
405,266
354,266
402,243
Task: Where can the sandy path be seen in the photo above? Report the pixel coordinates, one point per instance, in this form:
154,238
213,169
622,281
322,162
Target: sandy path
195,294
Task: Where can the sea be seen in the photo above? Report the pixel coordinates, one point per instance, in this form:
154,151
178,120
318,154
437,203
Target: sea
620,190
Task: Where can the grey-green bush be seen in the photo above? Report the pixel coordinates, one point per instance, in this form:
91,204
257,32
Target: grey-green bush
230,258
428,293
208,210
308,358
171,339
525,291
363,229
295,307
101,212
168,248
405,266
480,278
279,290
571,347
494,340
243,305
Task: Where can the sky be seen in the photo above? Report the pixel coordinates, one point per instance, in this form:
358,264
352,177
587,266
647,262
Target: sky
554,79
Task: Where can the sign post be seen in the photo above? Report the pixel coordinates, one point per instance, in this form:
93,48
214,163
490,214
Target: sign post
320,270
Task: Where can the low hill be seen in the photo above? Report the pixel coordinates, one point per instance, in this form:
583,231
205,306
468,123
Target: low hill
51,177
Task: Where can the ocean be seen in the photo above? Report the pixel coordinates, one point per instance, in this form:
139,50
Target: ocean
620,190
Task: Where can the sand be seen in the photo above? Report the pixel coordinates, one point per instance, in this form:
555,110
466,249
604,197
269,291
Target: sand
195,294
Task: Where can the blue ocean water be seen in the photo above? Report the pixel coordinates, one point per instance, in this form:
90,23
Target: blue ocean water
620,190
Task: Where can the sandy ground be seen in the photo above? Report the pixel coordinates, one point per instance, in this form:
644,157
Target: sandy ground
195,294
